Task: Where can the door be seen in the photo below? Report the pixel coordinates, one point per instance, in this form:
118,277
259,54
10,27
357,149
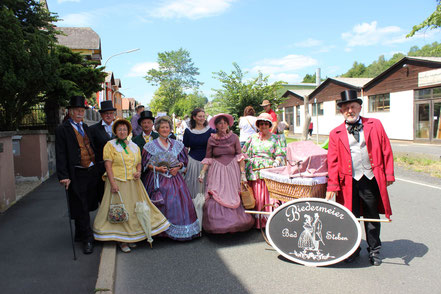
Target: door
436,125
427,121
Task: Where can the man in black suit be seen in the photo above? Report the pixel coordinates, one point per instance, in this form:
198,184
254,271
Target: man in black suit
76,170
101,132
146,121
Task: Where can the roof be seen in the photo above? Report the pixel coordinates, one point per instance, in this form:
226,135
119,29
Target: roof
79,38
358,82
118,83
434,62
300,93
350,83
109,78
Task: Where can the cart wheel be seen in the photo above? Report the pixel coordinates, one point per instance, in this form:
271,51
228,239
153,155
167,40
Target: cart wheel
261,228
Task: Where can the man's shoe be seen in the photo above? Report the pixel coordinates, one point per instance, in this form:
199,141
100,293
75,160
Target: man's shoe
353,257
375,259
88,247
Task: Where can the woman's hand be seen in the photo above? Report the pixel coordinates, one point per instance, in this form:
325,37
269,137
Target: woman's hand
115,188
174,171
137,175
243,177
161,169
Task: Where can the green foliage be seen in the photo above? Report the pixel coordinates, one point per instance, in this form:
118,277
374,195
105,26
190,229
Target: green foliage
359,70
176,74
432,22
26,63
191,101
74,76
237,92
310,78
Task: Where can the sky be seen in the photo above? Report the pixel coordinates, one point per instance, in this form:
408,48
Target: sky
284,39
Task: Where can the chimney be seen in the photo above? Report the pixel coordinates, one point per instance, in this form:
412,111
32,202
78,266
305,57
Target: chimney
317,77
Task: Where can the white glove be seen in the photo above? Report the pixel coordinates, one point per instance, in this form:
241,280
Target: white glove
202,175
276,163
243,177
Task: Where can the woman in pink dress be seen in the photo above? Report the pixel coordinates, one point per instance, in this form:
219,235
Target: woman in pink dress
223,210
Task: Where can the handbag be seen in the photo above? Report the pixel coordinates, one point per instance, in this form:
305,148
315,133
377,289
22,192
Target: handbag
247,196
117,212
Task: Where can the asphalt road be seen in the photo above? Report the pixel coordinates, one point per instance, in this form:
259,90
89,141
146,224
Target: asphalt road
244,263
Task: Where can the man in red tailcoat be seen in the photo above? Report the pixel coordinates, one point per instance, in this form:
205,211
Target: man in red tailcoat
360,167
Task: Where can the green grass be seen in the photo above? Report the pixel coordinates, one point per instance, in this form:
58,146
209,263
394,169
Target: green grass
429,166
290,140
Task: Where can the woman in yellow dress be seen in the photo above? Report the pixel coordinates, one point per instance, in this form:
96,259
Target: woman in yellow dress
122,159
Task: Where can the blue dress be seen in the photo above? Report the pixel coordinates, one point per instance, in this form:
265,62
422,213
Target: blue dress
170,193
196,140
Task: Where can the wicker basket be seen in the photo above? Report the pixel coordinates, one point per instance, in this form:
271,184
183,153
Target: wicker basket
287,192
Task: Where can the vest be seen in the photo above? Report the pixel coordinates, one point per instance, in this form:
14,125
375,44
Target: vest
87,154
361,165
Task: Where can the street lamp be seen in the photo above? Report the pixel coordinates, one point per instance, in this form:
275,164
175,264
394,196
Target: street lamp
105,63
124,52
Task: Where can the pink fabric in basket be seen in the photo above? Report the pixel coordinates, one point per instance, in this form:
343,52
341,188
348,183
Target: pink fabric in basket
305,159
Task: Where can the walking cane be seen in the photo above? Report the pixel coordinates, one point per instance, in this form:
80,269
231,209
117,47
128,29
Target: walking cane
70,225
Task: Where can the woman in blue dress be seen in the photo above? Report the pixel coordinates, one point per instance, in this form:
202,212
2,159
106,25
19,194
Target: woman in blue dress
163,159
196,138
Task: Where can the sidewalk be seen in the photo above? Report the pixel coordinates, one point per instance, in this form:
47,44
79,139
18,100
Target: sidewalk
35,248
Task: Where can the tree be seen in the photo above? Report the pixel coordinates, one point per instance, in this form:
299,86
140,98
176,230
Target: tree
176,74
74,75
311,79
191,101
26,63
357,71
237,92
432,22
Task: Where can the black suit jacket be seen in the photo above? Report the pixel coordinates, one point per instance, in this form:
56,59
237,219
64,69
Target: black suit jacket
99,137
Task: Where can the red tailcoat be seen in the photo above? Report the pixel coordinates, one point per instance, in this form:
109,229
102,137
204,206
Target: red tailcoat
340,162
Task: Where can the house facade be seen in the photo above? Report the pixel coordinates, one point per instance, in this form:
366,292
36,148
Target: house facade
406,98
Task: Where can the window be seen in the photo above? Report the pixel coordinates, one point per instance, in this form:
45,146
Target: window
298,116
320,108
289,115
379,103
428,93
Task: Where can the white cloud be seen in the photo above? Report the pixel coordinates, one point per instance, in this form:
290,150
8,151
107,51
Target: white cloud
367,34
283,65
308,43
62,1
141,69
324,49
84,19
290,78
192,9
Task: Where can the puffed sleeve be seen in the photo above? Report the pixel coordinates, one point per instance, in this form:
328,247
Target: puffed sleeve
108,152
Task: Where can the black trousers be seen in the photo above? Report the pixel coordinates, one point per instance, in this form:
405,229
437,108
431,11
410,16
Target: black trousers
365,197
84,199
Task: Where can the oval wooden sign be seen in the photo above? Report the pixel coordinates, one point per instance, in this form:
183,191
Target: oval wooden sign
313,231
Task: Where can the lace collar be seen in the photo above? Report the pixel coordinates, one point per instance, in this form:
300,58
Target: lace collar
198,132
119,148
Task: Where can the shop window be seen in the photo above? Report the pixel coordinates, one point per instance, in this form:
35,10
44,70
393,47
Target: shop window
379,103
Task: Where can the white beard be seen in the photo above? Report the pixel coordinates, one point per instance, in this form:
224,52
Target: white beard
351,120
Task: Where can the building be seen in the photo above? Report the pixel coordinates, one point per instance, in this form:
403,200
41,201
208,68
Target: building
128,107
81,40
406,98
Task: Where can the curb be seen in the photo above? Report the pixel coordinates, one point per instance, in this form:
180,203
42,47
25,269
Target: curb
107,269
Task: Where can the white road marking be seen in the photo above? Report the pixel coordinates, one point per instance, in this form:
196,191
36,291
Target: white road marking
417,183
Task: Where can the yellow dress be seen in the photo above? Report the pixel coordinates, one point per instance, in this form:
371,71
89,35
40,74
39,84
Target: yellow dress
132,191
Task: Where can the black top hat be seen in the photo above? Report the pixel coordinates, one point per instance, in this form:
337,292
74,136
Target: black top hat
77,101
349,96
144,115
106,106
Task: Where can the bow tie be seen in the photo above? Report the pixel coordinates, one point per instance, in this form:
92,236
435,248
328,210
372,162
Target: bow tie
355,129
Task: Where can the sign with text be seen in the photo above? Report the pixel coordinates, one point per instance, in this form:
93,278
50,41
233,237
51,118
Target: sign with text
430,77
313,232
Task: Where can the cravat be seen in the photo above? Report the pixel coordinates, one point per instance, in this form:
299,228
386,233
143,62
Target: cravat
80,130
355,129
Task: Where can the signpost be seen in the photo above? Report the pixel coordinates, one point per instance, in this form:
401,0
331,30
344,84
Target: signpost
313,231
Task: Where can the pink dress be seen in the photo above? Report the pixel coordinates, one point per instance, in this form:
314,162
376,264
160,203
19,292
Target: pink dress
223,210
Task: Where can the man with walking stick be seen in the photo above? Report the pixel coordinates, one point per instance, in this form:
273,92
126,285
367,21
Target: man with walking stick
360,167
76,170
